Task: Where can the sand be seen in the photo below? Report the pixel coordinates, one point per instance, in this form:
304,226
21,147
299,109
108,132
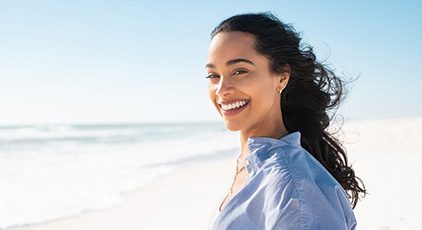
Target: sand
187,198
385,154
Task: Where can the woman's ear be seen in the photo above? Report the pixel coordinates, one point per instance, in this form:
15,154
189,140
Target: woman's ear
284,76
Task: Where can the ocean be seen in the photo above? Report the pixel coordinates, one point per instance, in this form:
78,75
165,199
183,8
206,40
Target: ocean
53,171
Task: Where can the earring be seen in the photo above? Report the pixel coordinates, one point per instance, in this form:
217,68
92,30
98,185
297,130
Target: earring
281,90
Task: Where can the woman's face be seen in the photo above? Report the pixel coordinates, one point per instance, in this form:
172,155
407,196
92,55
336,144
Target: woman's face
241,86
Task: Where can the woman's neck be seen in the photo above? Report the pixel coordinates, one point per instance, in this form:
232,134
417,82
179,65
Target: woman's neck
271,130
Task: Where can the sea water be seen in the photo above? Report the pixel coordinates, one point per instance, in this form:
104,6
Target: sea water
55,170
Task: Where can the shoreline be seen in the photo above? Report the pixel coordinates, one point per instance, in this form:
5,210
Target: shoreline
386,156
187,198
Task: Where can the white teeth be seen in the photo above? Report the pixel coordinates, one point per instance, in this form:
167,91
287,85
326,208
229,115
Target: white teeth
233,105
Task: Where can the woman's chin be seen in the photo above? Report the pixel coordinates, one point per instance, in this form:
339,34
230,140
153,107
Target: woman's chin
232,126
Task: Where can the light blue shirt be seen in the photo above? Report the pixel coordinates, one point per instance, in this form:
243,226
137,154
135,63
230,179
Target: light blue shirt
288,189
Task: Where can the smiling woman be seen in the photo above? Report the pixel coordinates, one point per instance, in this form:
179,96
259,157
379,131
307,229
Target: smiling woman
277,95
247,74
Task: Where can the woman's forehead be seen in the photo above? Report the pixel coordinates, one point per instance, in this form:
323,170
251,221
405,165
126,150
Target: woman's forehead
231,45
226,41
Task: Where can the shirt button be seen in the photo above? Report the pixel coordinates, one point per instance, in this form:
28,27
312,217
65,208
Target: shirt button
247,163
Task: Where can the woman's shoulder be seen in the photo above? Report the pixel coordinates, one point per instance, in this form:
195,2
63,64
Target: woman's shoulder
295,168
297,185
298,163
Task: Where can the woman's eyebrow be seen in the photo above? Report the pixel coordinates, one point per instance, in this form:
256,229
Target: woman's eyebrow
231,62
237,60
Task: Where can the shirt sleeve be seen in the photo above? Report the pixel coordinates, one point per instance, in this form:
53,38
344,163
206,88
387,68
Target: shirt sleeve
305,196
294,216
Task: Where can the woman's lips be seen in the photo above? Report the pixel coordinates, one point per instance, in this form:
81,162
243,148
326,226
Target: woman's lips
235,111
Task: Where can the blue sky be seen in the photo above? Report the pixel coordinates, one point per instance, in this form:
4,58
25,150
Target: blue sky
135,61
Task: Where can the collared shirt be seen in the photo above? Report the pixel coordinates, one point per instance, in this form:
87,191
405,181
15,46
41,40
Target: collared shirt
287,188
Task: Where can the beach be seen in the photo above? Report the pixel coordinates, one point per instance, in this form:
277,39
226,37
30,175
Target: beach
385,155
187,198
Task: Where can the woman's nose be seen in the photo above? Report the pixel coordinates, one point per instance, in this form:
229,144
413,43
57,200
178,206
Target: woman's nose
224,88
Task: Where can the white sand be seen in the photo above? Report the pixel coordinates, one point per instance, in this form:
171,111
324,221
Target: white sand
188,198
385,154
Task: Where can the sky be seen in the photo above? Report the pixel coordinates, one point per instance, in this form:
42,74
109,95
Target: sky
143,61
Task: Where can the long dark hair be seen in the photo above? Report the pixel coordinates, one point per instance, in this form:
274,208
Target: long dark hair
312,92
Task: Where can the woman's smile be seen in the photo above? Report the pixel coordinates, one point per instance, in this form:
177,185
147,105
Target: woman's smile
229,108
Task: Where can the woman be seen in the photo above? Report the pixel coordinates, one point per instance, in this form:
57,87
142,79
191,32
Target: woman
291,172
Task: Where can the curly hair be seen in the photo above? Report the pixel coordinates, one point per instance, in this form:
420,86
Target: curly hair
313,91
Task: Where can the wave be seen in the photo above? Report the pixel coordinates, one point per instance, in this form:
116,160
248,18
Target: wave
50,172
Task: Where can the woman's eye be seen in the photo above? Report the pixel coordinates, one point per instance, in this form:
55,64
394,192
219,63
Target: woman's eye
211,76
237,72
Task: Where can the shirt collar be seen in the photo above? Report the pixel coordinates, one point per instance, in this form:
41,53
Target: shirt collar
260,148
